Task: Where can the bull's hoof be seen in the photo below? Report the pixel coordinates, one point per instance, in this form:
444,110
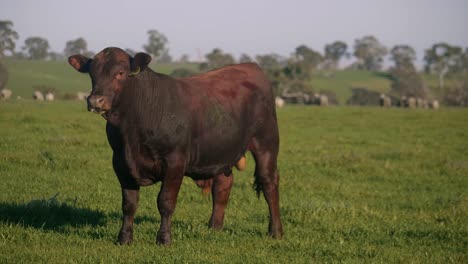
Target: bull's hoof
275,230
125,238
215,225
163,239
276,234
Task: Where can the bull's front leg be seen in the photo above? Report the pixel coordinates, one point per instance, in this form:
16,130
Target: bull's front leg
167,199
130,195
129,207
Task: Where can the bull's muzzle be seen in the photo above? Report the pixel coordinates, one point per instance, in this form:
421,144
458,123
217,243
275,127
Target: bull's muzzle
96,103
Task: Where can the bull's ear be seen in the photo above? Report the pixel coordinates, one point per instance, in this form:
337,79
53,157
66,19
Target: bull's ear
80,62
139,63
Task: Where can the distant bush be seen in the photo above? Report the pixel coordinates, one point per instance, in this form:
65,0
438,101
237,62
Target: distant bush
458,95
362,96
182,72
296,92
406,81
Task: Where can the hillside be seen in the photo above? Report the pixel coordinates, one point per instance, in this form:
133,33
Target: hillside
342,82
25,74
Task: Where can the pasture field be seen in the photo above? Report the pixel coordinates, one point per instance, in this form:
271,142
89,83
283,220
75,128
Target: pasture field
358,185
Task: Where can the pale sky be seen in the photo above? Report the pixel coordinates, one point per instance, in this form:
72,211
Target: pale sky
240,26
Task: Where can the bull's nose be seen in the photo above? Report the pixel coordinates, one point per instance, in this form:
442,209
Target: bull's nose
95,102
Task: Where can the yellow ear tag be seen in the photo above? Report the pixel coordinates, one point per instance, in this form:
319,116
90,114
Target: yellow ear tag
137,71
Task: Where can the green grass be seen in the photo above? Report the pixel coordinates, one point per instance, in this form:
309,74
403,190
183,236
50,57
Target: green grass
358,185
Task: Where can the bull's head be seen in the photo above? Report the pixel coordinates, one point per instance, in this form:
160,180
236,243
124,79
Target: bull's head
109,70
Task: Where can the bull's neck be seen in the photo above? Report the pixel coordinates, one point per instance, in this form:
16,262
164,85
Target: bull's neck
146,98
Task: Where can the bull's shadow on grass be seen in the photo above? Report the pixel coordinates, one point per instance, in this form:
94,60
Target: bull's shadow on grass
49,215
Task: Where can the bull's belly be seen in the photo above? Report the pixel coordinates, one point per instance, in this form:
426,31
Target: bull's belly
217,155
208,161
207,172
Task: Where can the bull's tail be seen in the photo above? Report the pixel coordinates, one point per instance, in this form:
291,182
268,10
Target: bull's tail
257,184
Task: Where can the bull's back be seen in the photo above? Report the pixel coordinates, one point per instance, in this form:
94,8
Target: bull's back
232,84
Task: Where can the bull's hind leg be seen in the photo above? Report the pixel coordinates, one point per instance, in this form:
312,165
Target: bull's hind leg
221,189
267,180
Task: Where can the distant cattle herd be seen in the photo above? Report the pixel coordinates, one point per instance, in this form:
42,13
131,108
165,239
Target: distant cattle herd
292,98
6,94
385,101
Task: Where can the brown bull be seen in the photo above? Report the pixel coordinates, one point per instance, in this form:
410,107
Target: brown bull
161,129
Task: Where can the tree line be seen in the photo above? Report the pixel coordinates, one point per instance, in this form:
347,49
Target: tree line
293,73
37,48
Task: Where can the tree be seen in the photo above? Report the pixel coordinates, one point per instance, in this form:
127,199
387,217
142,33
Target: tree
307,56
403,55
369,53
7,37
296,71
407,82
270,61
333,53
36,48
442,59
245,58
157,43
217,59
272,64
77,46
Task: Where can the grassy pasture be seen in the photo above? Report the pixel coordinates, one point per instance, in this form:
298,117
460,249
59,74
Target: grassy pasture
357,185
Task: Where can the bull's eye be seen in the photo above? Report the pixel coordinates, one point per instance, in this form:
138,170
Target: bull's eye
120,75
